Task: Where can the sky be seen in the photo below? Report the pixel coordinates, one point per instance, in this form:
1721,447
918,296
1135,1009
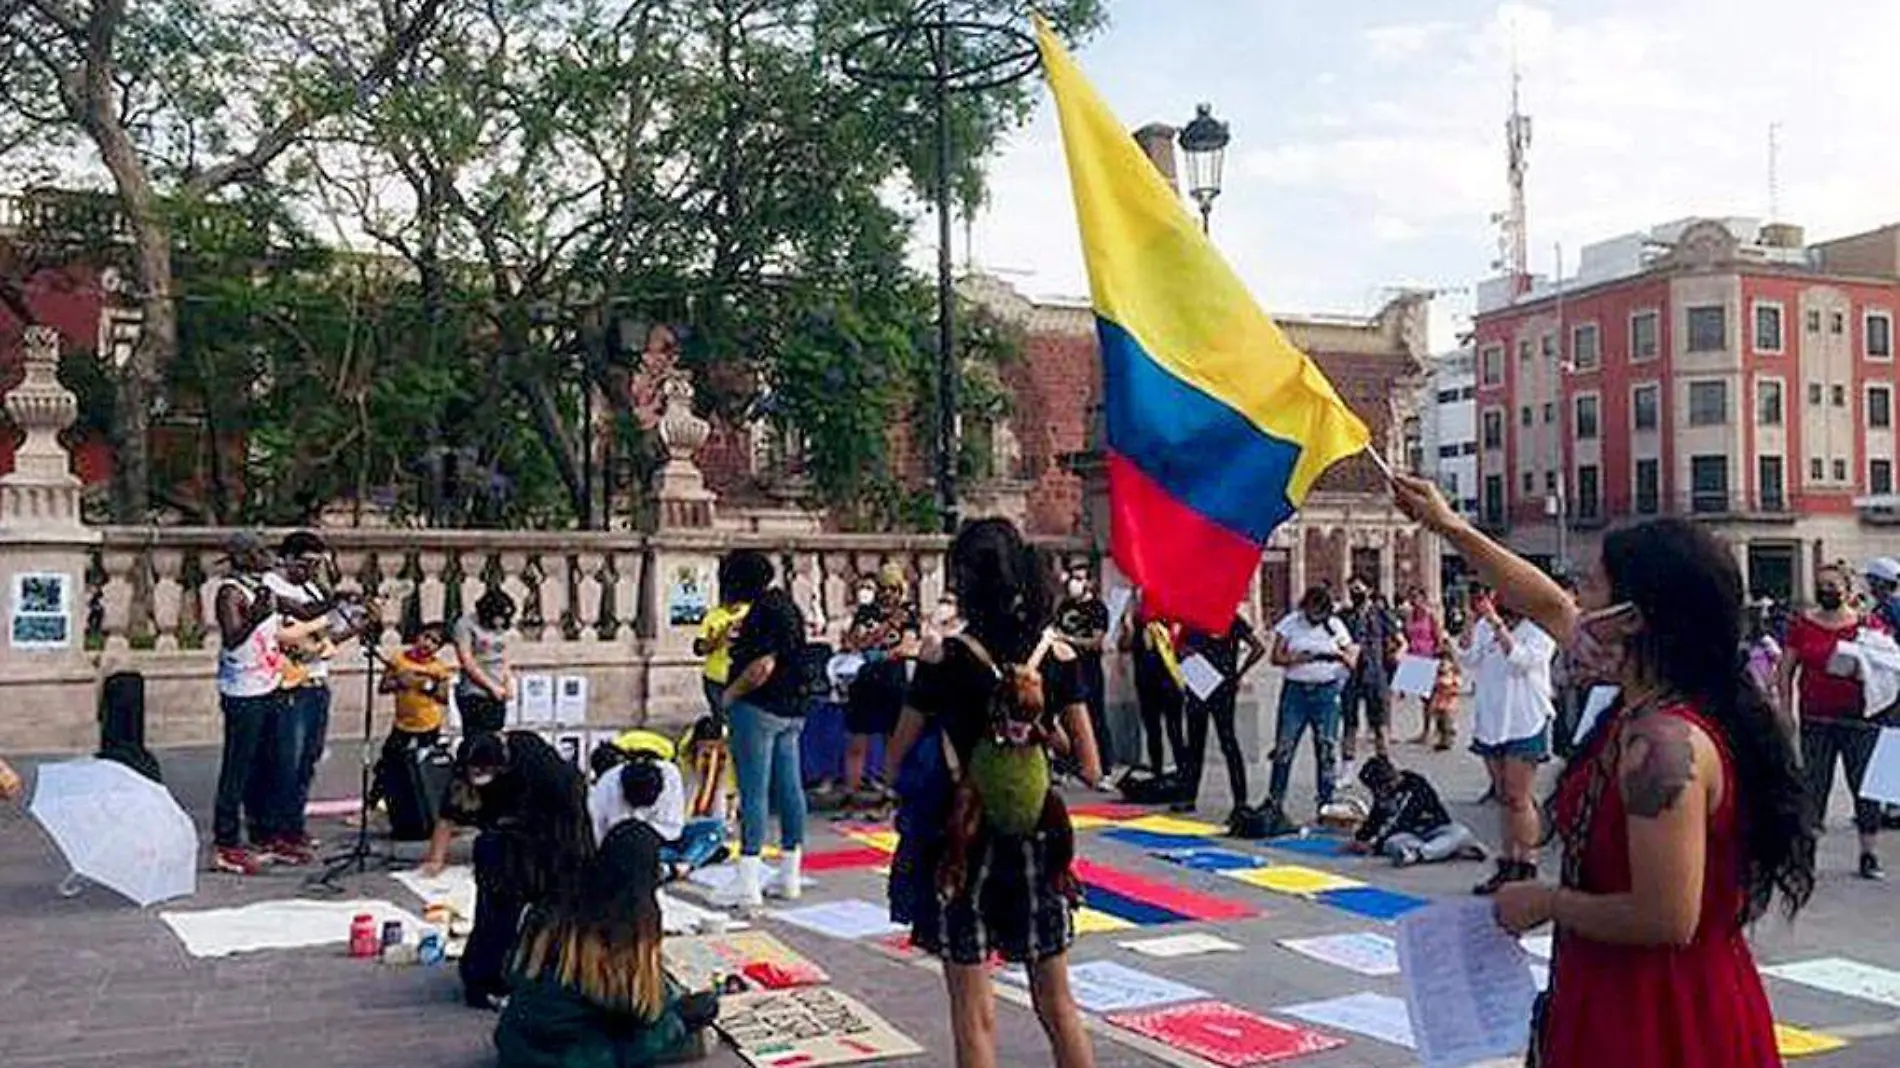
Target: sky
1368,135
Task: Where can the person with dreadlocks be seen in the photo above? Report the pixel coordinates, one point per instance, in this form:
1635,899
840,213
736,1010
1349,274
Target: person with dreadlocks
983,853
529,807
589,990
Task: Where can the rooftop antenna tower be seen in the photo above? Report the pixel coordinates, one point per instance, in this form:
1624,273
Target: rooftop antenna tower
1514,252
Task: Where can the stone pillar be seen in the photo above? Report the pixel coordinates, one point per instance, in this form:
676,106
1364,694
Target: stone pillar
684,558
46,676
680,497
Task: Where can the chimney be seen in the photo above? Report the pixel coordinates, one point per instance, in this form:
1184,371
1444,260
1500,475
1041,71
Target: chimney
1157,140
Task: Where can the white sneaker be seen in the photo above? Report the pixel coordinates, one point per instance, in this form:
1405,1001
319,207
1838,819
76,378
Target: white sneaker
743,895
787,883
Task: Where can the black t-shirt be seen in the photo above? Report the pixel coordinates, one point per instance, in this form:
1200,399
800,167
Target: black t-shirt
1221,650
955,693
1083,619
776,628
901,620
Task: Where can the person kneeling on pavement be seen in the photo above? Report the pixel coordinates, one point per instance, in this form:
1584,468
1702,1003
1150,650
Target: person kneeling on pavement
636,779
1408,822
589,989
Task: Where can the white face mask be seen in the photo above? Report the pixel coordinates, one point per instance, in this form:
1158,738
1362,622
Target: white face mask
944,613
866,596
1077,588
480,781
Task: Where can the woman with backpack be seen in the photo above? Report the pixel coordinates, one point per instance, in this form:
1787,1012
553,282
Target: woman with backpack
972,733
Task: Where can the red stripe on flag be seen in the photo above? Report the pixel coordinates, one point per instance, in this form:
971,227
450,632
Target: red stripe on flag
1190,569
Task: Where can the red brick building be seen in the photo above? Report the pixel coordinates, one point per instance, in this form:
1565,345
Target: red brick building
1719,369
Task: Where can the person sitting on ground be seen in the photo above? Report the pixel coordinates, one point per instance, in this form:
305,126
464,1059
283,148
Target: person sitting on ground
644,784
1408,821
589,989
712,791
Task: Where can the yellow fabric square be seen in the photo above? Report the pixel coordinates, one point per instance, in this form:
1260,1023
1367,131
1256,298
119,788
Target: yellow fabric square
1293,879
1090,823
1173,825
1089,921
883,841
1795,1042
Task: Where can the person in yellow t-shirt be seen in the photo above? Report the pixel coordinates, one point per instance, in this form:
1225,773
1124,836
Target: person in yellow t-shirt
420,680
716,634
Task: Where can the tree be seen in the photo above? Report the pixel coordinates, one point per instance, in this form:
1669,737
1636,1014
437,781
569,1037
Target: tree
182,102
700,160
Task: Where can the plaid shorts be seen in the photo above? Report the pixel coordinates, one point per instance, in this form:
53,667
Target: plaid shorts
1011,909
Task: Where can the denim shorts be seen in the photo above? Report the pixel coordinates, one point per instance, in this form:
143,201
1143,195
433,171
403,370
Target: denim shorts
1534,749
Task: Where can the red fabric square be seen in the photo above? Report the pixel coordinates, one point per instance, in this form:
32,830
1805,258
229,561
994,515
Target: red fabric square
1223,1034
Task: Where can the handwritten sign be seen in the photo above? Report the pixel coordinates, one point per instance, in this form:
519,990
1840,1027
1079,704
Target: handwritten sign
808,1027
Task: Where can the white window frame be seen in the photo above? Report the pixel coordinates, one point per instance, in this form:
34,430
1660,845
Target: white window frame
1504,428
1866,348
1754,327
1867,405
1636,387
1655,317
1688,330
1483,377
1596,358
1576,420
1688,401
1780,384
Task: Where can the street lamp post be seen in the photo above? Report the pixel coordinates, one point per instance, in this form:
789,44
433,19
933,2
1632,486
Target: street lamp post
946,56
1204,146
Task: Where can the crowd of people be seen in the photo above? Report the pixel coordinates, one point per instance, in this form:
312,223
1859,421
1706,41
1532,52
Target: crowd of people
1702,733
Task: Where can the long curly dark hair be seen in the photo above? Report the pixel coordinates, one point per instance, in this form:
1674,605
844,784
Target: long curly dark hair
1002,587
1687,586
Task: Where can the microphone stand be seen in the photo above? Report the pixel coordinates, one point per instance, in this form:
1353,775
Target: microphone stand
356,859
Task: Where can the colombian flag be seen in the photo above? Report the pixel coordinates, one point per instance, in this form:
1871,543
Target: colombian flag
1217,425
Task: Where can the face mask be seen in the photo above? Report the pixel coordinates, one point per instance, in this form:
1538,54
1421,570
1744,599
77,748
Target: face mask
866,597
481,779
944,613
1829,599
1077,588
1597,644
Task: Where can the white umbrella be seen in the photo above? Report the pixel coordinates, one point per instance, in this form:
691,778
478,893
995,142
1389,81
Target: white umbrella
118,829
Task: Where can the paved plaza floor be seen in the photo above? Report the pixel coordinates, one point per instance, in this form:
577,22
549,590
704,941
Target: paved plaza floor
91,982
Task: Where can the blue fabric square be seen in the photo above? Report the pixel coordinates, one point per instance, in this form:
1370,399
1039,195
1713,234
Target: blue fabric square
1151,841
1139,913
1315,846
1206,859
1372,902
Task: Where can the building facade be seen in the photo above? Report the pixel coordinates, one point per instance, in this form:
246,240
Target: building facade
1717,369
1448,427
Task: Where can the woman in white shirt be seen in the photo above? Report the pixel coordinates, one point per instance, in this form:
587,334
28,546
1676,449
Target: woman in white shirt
1509,660
1315,652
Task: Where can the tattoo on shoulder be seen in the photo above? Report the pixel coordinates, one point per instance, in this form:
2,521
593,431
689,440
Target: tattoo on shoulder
1663,751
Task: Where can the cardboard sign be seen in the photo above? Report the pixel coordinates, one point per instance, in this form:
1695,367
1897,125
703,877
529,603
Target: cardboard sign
756,957
808,1027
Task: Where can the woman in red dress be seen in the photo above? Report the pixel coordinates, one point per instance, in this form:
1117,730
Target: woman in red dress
1681,817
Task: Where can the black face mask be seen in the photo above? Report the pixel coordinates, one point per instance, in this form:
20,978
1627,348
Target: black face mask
1829,599
1358,600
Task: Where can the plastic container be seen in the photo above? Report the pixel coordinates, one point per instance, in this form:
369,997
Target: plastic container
429,947
363,941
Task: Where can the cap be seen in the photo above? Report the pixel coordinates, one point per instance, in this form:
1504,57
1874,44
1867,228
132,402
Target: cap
1884,568
243,543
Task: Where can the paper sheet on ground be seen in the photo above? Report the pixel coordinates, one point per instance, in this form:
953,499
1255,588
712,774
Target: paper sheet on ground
454,887
1838,975
850,919
1104,986
1468,988
1796,1042
695,962
1882,781
808,1027
1377,1016
1201,676
1416,675
278,925
1293,879
1186,945
1365,952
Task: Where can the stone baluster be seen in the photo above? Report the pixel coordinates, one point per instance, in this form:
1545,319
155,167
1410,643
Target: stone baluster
806,587
930,581
122,565
193,580
511,575
430,584
167,596
477,566
540,572
587,591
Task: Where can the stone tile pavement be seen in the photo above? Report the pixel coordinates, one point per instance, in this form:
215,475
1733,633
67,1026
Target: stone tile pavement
90,982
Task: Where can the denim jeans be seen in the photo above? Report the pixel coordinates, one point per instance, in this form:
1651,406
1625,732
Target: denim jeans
247,732
699,840
1306,705
293,743
765,760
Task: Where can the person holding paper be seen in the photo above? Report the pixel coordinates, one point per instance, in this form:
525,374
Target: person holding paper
1828,707
1681,818
1222,652
1509,657
1315,652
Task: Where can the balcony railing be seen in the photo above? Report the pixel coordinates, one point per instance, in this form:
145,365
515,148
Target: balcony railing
1709,505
